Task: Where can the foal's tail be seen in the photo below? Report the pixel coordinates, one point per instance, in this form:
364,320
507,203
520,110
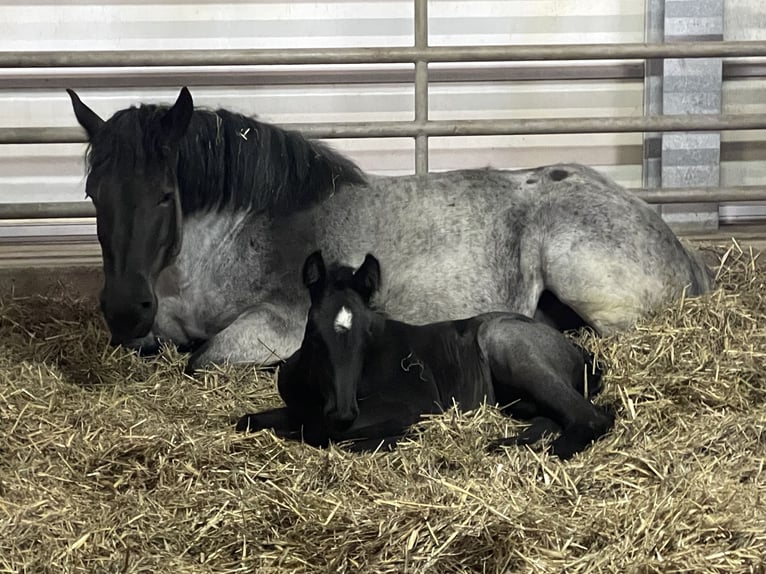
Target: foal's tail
594,370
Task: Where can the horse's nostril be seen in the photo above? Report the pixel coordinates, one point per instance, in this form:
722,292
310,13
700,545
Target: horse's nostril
146,305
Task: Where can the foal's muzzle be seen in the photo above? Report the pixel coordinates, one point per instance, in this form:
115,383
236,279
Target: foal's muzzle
341,420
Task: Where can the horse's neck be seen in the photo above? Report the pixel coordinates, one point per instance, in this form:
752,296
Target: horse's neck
226,266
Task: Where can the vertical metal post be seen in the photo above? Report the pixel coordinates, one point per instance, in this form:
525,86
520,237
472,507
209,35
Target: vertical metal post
692,86
654,33
421,86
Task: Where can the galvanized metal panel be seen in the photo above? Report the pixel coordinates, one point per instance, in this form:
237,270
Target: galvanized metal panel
56,172
743,154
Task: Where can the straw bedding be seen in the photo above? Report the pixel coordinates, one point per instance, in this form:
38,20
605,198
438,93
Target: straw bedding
113,463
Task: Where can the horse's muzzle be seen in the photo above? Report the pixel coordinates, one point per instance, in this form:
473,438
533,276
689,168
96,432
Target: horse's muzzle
129,310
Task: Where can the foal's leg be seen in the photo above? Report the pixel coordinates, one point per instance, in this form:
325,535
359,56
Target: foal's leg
533,362
290,423
380,425
277,420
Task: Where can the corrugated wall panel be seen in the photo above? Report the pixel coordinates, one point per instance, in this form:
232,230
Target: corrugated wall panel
743,154
48,172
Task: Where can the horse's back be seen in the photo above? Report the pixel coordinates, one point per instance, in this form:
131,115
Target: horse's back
435,235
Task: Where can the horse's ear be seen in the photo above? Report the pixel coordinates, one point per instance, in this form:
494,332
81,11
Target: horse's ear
176,120
367,277
87,118
314,273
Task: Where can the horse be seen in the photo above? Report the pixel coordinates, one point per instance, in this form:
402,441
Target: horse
205,217
363,379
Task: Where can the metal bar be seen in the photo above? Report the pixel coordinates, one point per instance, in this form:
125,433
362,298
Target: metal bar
381,55
48,209
163,77
746,193
441,128
42,135
247,76
421,86
734,194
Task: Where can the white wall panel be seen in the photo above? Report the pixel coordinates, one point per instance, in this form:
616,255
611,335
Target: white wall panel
743,154
49,172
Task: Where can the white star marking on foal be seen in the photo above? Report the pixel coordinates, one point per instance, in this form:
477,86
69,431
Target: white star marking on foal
343,319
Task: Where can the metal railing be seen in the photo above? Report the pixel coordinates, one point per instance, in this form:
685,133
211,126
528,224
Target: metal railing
664,195
420,128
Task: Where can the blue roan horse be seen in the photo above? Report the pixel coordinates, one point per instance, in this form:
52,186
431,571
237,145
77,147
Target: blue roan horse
205,218
363,378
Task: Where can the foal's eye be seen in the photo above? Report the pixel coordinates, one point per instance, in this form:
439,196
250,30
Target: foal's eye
166,199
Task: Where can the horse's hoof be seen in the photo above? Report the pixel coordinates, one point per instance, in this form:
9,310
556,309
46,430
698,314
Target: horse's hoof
149,351
148,346
197,361
190,347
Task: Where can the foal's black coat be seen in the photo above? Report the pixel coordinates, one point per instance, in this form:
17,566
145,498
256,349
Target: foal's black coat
362,378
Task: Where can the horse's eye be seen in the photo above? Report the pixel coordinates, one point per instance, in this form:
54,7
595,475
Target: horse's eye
166,199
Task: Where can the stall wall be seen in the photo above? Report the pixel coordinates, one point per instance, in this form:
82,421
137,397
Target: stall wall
56,172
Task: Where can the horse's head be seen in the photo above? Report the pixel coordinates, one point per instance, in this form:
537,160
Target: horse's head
132,182
338,332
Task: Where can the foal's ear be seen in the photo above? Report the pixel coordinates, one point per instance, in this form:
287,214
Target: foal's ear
86,117
176,120
367,277
314,273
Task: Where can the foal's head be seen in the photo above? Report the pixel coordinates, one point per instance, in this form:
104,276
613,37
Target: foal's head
338,331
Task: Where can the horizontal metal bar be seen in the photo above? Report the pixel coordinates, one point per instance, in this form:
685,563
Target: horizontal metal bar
42,135
47,210
242,76
437,128
303,56
83,209
246,76
732,194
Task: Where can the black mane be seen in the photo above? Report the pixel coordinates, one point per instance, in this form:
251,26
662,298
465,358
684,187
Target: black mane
229,161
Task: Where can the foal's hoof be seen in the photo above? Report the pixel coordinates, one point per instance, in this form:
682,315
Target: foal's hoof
539,428
247,423
580,437
497,444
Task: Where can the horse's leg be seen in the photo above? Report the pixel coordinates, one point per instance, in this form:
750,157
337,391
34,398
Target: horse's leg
607,255
263,336
525,283
535,363
551,311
